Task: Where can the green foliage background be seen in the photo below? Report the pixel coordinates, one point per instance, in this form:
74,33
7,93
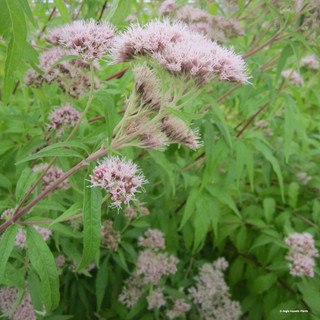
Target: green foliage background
237,196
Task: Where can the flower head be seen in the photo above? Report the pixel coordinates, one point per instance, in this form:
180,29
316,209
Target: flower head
154,266
301,255
24,310
20,239
121,178
132,290
7,214
178,132
53,174
310,62
156,300
179,308
181,51
167,7
110,237
85,38
212,295
63,118
154,239
71,76
295,77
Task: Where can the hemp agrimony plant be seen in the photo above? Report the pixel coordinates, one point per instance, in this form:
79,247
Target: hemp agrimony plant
159,159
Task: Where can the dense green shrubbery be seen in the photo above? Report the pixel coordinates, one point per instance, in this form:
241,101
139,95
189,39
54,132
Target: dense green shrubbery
231,209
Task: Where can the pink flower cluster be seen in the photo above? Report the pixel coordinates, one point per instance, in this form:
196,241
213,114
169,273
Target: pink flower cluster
167,6
133,211
212,295
85,38
8,298
110,237
310,62
7,214
151,267
154,266
295,77
20,239
301,255
63,118
72,76
153,239
132,290
179,308
156,300
181,51
51,176
215,27
121,178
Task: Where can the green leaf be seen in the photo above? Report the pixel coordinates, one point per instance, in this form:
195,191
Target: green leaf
285,54
34,287
263,283
27,178
274,162
15,47
269,206
189,207
74,209
293,193
6,246
289,126
52,153
26,8
113,9
63,10
42,261
102,282
244,158
91,225
207,214
164,163
310,292
122,11
65,58
13,277
106,102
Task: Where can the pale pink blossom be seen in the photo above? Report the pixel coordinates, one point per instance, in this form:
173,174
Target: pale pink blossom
60,260
301,255
303,178
295,77
63,118
24,310
179,308
72,76
156,300
310,62
212,295
190,14
181,51
51,176
120,178
153,239
133,211
132,290
7,214
110,237
20,239
167,7
154,266
85,38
